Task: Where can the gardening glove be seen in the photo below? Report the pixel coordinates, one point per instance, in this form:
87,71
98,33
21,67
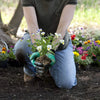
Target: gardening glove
41,69
52,58
33,57
38,66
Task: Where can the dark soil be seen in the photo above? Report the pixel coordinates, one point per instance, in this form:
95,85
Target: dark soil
12,86
43,60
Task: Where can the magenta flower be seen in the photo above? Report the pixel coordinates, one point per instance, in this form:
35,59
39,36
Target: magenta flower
79,48
80,52
11,46
8,51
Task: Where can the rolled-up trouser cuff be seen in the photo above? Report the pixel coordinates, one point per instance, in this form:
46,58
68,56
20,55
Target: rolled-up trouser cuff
28,71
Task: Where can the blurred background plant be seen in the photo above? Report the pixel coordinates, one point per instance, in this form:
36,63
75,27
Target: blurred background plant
87,13
86,47
3,54
7,54
11,54
85,24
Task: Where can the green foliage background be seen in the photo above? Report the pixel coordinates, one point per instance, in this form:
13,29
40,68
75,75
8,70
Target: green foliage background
87,12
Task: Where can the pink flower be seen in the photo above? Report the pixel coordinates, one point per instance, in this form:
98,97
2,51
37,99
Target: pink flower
79,48
80,52
93,55
74,47
84,52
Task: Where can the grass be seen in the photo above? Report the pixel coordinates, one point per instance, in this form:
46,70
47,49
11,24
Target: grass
87,12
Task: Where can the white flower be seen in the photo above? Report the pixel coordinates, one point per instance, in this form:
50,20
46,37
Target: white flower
39,48
59,35
56,34
77,39
43,33
40,30
49,47
38,33
44,41
62,42
70,31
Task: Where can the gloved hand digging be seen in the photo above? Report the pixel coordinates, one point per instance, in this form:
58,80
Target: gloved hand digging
40,68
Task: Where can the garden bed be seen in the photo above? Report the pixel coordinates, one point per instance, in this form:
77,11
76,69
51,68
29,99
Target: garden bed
12,86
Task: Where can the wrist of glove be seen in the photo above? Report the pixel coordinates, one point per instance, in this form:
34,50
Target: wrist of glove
51,57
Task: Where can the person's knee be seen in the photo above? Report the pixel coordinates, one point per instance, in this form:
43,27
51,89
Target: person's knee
20,55
66,84
19,51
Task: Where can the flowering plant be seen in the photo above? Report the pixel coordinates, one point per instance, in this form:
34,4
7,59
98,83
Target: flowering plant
89,50
10,52
93,49
4,54
46,43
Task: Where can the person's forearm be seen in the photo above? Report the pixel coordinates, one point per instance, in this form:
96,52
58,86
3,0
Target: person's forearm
31,19
65,20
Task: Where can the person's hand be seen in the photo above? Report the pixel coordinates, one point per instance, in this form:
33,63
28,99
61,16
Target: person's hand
40,68
51,57
43,69
33,57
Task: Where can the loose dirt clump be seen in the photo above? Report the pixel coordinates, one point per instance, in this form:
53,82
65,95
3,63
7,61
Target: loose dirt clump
43,60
